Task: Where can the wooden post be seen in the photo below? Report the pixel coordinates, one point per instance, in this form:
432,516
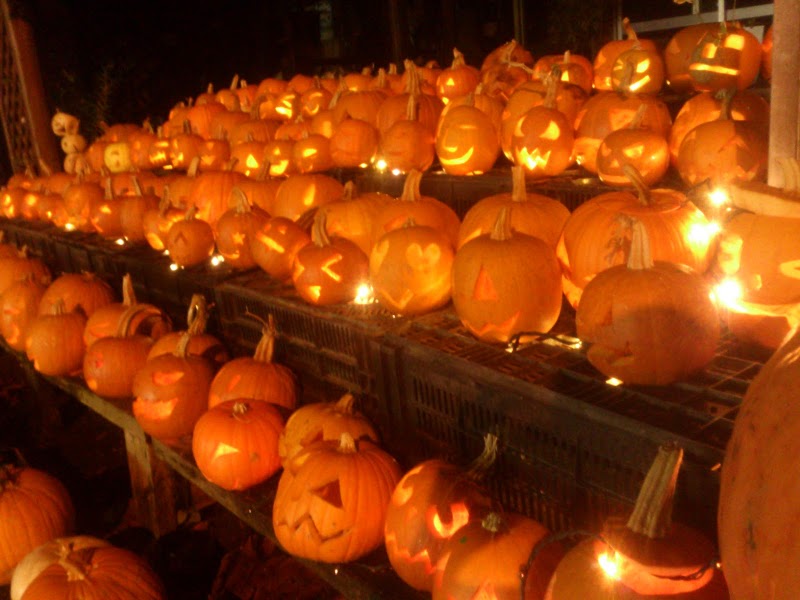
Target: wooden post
396,32
785,93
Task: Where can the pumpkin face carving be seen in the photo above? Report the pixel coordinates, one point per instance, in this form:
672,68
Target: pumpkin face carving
331,500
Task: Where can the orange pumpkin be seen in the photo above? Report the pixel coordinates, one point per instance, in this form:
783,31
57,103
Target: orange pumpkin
190,241
84,290
54,342
19,266
331,500
211,192
605,58
300,193
766,54
234,230
235,444
256,377
459,79
353,215
467,142
19,306
395,108
678,55
312,153
729,58
275,245
157,221
408,144
354,143
572,68
638,70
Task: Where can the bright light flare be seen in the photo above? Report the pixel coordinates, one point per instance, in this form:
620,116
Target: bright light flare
120,241
217,260
610,565
381,165
718,197
728,293
364,294
613,381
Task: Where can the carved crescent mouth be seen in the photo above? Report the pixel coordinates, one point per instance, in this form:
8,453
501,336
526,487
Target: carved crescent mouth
311,527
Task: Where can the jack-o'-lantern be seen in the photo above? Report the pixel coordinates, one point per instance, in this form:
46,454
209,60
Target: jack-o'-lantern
54,341
259,130
139,144
19,306
408,144
410,269
354,143
34,507
488,558
572,68
11,199
593,239
235,228
256,377
314,99
429,505
607,55
250,157
131,212
171,392
646,322
75,143
190,241
467,142
424,210
19,266
293,130
235,444
201,343
492,106
638,70
279,155
505,283
84,290
609,111
200,117
723,151
261,189
529,213
505,68
228,96
117,157
157,221
395,107
79,201
706,106
211,192
729,58
323,421
329,270
647,556
300,193
331,500
353,215
63,123
111,362
543,138
312,153
184,147
104,321
459,79
362,106
646,150
678,55
105,215
275,245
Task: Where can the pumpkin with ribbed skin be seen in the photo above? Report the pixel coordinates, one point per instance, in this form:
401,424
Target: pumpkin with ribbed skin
678,54
353,215
430,504
573,69
84,290
34,507
605,58
646,322
157,221
190,241
727,58
19,306
488,556
505,283
354,143
256,377
171,392
211,191
331,500
235,444
638,70
679,232
97,573
467,141
300,193
408,144
457,80
235,228
395,107
54,340
275,245
132,210
312,153
323,421
19,266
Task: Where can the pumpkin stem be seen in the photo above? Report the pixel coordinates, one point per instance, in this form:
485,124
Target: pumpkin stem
726,98
131,313
629,30
411,186
412,107
347,444
319,234
240,409
380,82
458,59
501,230
640,255
552,87
59,307
412,84
492,522
165,203
519,192
508,51
484,462
197,317
75,568
241,202
194,167
234,82
128,293
345,405
349,191
633,175
266,345
182,347
191,213
652,514
636,122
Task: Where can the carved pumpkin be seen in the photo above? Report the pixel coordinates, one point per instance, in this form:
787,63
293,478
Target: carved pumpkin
607,55
467,142
43,556
211,192
505,68
156,222
261,189
11,199
105,320
34,507
18,267
184,147
529,213
312,153
19,306
171,392
54,340
646,150
638,70
572,69
459,79
395,108
488,557
111,362
235,444
97,572
314,99
79,200
505,283
323,421
353,215
424,210
328,270
132,210
678,55
279,155
331,500
236,228
678,231
275,246
105,216
729,58
256,377
646,322
362,106
84,290
300,193
410,269
408,144
647,556
200,343
543,138
250,156
354,143
190,241
63,123
429,505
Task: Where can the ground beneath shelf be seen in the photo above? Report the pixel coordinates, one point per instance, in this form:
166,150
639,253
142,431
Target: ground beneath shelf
211,556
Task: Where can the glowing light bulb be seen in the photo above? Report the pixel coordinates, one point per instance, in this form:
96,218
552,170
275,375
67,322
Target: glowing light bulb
396,172
718,197
727,293
217,260
364,294
173,267
609,565
380,165
119,241
613,381
69,227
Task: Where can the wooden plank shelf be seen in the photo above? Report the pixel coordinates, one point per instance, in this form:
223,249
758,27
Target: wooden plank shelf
157,493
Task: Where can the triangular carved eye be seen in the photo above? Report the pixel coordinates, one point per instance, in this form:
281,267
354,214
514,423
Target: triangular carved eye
330,493
484,287
161,378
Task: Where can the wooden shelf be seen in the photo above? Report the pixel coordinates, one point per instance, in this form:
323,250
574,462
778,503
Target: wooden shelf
156,494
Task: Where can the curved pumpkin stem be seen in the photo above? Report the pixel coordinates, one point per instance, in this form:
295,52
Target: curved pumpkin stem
726,97
182,347
519,191
630,32
319,233
131,313
484,462
197,317
128,293
241,202
411,186
458,59
240,410
652,514
501,230
632,173
266,345
640,256
347,445
345,405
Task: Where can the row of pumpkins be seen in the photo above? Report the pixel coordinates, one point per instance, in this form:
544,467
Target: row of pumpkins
340,494
545,115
